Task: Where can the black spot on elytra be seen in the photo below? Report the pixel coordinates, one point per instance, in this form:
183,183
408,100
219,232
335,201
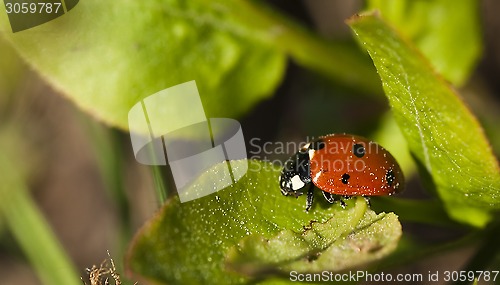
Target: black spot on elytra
345,178
389,176
317,144
358,150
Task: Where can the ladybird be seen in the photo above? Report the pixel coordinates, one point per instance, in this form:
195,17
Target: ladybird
342,166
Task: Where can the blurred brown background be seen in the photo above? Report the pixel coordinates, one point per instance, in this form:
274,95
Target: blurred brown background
69,188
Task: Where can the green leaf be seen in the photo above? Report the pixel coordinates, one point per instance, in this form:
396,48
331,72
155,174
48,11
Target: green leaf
250,230
389,135
107,55
447,32
11,71
441,132
352,238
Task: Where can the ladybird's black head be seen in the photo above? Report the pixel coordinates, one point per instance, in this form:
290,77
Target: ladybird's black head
295,174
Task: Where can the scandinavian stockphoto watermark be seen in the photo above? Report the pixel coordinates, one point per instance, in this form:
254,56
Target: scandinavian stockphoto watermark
396,278
338,156
170,127
354,277
26,14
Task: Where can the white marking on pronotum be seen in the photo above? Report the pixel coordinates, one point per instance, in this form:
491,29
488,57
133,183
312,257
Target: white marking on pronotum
297,183
311,153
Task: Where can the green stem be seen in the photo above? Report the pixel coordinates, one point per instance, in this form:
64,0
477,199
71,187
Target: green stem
159,184
108,149
344,64
107,145
429,212
29,227
410,251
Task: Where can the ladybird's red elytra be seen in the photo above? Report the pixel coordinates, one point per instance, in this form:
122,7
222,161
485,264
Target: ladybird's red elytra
341,165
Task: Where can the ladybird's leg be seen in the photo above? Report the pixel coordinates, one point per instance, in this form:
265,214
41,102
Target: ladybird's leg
329,197
341,200
310,197
367,199
284,192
